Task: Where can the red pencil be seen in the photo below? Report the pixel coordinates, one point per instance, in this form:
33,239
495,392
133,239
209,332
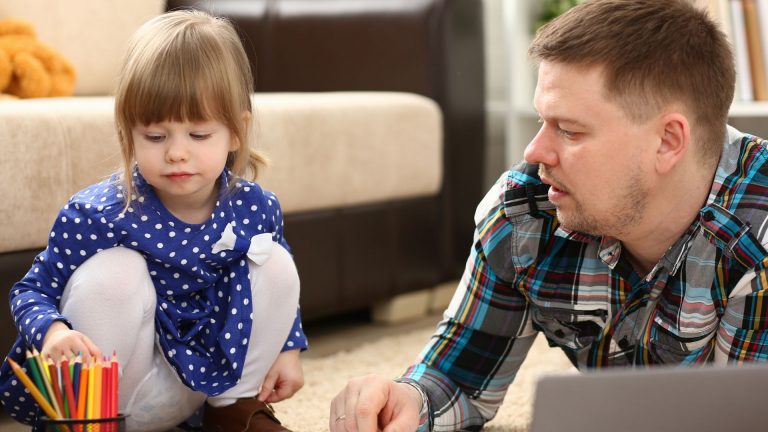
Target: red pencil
115,384
56,388
68,390
105,404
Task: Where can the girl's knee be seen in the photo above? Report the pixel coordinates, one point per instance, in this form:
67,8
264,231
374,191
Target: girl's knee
278,272
116,275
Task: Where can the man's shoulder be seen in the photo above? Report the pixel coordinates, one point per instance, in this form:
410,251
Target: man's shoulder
513,220
741,181
519,192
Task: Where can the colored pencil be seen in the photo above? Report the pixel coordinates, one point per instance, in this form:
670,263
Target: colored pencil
47,408
58,400
115,384
105,403
82,391
41,365
45,375
77,364
68,390
97,375
90,392
32,366
79,388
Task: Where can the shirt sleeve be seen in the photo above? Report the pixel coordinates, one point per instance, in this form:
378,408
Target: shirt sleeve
743,332
78,233
473,357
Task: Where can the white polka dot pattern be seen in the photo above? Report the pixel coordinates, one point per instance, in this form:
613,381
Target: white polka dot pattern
203,314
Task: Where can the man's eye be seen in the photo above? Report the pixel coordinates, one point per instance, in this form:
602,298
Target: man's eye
566,133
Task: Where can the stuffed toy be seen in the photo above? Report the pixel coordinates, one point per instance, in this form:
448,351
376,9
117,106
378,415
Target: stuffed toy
29,68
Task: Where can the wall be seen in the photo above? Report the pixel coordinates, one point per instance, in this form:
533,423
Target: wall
497,89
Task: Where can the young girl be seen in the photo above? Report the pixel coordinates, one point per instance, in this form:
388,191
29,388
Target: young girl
176,262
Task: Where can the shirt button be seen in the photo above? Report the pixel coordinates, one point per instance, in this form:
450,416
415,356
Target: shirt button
623,343
709,216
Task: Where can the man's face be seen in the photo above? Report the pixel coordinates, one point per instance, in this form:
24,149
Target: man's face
599,164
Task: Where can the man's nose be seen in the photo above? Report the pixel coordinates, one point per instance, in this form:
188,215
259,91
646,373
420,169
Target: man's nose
541,149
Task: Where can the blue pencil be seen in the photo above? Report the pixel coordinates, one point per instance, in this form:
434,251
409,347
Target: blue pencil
78,364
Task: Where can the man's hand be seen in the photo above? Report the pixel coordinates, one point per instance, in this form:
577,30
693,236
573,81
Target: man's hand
284,378
60,341
372,403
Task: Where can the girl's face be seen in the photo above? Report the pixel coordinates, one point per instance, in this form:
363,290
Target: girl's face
183,160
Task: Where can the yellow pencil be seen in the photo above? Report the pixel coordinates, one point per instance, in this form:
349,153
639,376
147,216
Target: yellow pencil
45,374
49,411
49,387
40,364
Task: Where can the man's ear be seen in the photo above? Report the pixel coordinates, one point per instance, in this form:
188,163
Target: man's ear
675,140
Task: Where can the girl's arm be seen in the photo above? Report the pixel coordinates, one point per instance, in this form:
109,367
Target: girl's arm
79,232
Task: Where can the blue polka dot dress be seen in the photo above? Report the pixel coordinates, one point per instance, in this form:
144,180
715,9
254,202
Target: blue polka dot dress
203,315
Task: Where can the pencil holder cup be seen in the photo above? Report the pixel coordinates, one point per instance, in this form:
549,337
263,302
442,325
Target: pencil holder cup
112,424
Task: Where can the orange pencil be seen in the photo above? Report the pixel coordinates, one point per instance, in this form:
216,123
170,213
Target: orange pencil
97,389
47,408
68,390
82,390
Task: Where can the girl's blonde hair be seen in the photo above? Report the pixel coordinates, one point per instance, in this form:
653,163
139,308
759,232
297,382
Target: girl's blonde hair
186,66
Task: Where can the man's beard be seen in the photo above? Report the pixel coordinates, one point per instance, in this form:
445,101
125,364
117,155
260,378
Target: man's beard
625,212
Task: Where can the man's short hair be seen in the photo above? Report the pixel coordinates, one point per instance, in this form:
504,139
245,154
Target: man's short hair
653,52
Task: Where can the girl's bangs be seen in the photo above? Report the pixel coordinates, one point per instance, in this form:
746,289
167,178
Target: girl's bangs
165,94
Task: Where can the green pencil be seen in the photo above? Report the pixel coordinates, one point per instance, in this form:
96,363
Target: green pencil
32,366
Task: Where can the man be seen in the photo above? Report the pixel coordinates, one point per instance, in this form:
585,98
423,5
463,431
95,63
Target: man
633,233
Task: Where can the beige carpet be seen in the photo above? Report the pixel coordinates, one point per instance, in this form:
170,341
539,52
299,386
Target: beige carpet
388,356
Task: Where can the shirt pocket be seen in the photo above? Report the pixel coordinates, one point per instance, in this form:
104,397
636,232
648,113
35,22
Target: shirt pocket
526,238
573,329
673,343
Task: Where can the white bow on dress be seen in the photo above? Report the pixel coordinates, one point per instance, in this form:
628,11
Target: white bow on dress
258,248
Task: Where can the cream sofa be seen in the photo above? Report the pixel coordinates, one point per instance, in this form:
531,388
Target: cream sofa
327,150
376,147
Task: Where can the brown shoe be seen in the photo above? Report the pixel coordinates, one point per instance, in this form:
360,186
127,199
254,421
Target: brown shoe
245,415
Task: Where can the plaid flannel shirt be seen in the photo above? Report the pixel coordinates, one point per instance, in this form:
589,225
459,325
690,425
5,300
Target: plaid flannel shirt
705,301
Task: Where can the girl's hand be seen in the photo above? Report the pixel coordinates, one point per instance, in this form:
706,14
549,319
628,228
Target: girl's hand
284,378
60,341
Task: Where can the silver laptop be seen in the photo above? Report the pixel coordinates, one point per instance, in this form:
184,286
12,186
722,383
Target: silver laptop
708,399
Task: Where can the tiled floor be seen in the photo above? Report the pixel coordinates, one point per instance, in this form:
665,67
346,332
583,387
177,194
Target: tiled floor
325,338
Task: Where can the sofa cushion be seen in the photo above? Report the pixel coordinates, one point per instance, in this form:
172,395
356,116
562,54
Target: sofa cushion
327,150
94,45
331,150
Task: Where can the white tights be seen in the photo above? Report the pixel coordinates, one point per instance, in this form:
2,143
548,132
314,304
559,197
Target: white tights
111,299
